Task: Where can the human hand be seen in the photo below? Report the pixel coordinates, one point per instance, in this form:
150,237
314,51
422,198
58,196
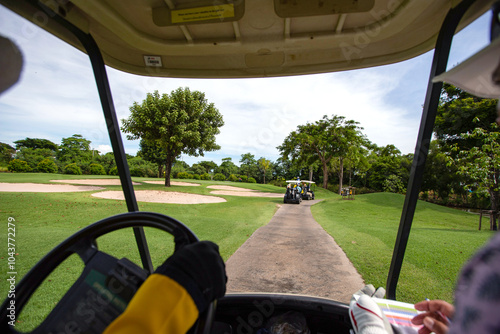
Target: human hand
199,268
435,318
366,316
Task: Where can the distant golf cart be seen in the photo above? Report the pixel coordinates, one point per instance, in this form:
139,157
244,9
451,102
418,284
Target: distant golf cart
308,188
293,192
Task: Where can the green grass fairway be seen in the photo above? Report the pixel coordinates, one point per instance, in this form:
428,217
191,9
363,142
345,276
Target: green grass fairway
43,220
441,240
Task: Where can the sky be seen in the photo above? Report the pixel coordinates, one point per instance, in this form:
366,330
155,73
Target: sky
56,97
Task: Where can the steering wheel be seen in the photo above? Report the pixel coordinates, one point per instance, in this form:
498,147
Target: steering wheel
106,284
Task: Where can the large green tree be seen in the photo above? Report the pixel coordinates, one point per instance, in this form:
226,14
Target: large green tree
74,149
248,165
227,167
460,112
482,164
323,140
182,122
35,143
264,166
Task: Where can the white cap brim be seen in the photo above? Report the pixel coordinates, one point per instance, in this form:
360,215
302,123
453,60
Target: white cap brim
474,75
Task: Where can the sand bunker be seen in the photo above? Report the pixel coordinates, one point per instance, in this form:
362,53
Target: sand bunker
156,196
246,193
44,188
96,182
237,191
174,183
230,188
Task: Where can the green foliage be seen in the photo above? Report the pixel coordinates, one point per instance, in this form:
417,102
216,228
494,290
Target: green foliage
18,166
182,122
113,171
248,165
205,176
460,112
321,141
97,169
36,143
394,184
219,177
6,153
232,178
197,169
33,156
227,167
251,180
72,169
183,175
47,166
482,163
154,153
75,149
243,178
196,176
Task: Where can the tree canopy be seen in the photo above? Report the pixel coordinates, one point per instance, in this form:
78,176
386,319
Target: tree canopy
182,122
322,140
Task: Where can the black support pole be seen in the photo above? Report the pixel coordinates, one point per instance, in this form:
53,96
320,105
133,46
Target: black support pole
112,124
439,62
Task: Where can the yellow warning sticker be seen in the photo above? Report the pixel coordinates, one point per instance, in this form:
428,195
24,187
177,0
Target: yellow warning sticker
203,13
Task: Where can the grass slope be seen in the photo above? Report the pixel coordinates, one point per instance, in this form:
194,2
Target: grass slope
441,241
43,220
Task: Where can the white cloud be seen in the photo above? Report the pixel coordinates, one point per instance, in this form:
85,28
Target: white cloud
57,97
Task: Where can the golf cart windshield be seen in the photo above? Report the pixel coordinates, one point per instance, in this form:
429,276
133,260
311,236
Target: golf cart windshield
246,39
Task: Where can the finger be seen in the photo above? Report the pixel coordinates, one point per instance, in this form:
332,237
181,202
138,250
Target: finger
435,326
436,306
379,293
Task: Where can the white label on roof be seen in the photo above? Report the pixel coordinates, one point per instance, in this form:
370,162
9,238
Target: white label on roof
154,61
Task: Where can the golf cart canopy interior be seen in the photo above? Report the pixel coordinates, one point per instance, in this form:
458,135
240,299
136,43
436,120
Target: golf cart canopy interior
252,38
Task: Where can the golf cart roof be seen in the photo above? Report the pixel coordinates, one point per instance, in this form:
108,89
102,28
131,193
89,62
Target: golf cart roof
293,181
252,38
308,182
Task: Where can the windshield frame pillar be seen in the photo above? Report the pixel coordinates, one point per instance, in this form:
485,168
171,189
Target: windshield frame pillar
439,63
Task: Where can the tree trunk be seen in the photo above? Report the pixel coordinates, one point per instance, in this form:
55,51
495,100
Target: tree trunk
310,173
264,176
341,174
325,174
168,169
160,170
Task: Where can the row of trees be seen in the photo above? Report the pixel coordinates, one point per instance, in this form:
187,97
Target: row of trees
462,166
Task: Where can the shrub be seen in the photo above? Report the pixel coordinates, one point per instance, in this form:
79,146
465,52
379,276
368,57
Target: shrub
243,178
19,166
219,177
113,171
136,171
182,175
196,176
97,169
205,176
72,169
47,166
232,178
394,184
251,180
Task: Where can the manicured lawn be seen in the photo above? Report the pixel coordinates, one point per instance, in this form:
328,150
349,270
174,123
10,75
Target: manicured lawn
43,220
441,240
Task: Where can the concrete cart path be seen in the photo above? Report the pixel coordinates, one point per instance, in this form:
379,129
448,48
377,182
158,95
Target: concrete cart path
293,254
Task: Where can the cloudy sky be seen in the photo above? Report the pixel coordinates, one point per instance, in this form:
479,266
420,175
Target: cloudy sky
57,97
